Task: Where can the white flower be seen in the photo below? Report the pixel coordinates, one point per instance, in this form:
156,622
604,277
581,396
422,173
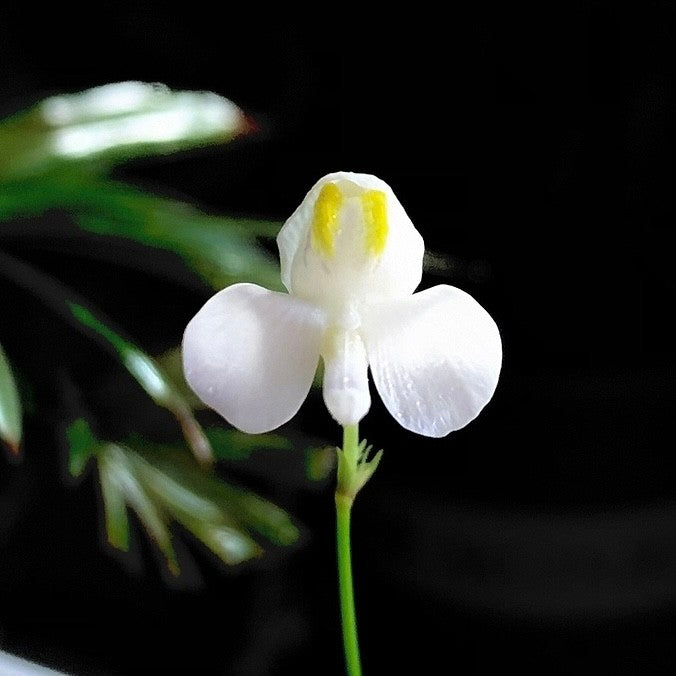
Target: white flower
351,260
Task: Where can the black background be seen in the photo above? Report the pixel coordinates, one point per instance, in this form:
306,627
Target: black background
536,148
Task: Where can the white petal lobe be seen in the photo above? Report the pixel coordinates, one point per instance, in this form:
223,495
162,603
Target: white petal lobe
435,358
251,354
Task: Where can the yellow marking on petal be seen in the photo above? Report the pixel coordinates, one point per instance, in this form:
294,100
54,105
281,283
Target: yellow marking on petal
325,222
374,203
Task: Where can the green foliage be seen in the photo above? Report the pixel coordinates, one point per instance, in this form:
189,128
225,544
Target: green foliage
10,406
121,488
165,486
55,158
99,127
152,379
229,444
114,502
81,446
320,462
66,302
219,249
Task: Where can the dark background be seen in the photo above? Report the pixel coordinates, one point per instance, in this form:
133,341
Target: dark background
536,149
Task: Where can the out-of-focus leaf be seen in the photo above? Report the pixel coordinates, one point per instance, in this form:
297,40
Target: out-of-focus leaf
118,472
218,249
140,365
66,302
164,484
171,362
82,446
151,377
230,444
320,462
190,504
131,480
264,516
165,467
230,544
221,250
10,406
115,510
274,455
113,123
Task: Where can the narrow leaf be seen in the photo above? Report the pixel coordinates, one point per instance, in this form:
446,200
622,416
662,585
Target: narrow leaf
10,406
113,123
261,515
221,250
115,510
274,455
231,545
231,444
191,504
215,248
141,366
171,362
114,463
181,497
151,377
242,506
82,446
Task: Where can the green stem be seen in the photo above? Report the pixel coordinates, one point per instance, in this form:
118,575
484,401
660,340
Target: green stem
344,499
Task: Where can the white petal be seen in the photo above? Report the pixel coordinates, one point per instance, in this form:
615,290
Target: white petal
346,385
251,354
435,358
352,271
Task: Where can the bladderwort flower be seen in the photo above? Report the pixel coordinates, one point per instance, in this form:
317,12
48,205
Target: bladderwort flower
351,260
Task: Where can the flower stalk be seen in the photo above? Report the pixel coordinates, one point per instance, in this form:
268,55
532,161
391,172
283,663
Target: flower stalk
354,470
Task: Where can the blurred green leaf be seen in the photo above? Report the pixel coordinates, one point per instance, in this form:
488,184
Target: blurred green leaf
274,455
231,545
231,444
53,157
171,362
113,123
221,250
190,503
163,484
165,467
141,366
153,380
81,446
118,472
320,462
10,406
115,509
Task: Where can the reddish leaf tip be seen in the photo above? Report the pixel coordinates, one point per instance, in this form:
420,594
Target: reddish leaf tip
249,126
14,447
